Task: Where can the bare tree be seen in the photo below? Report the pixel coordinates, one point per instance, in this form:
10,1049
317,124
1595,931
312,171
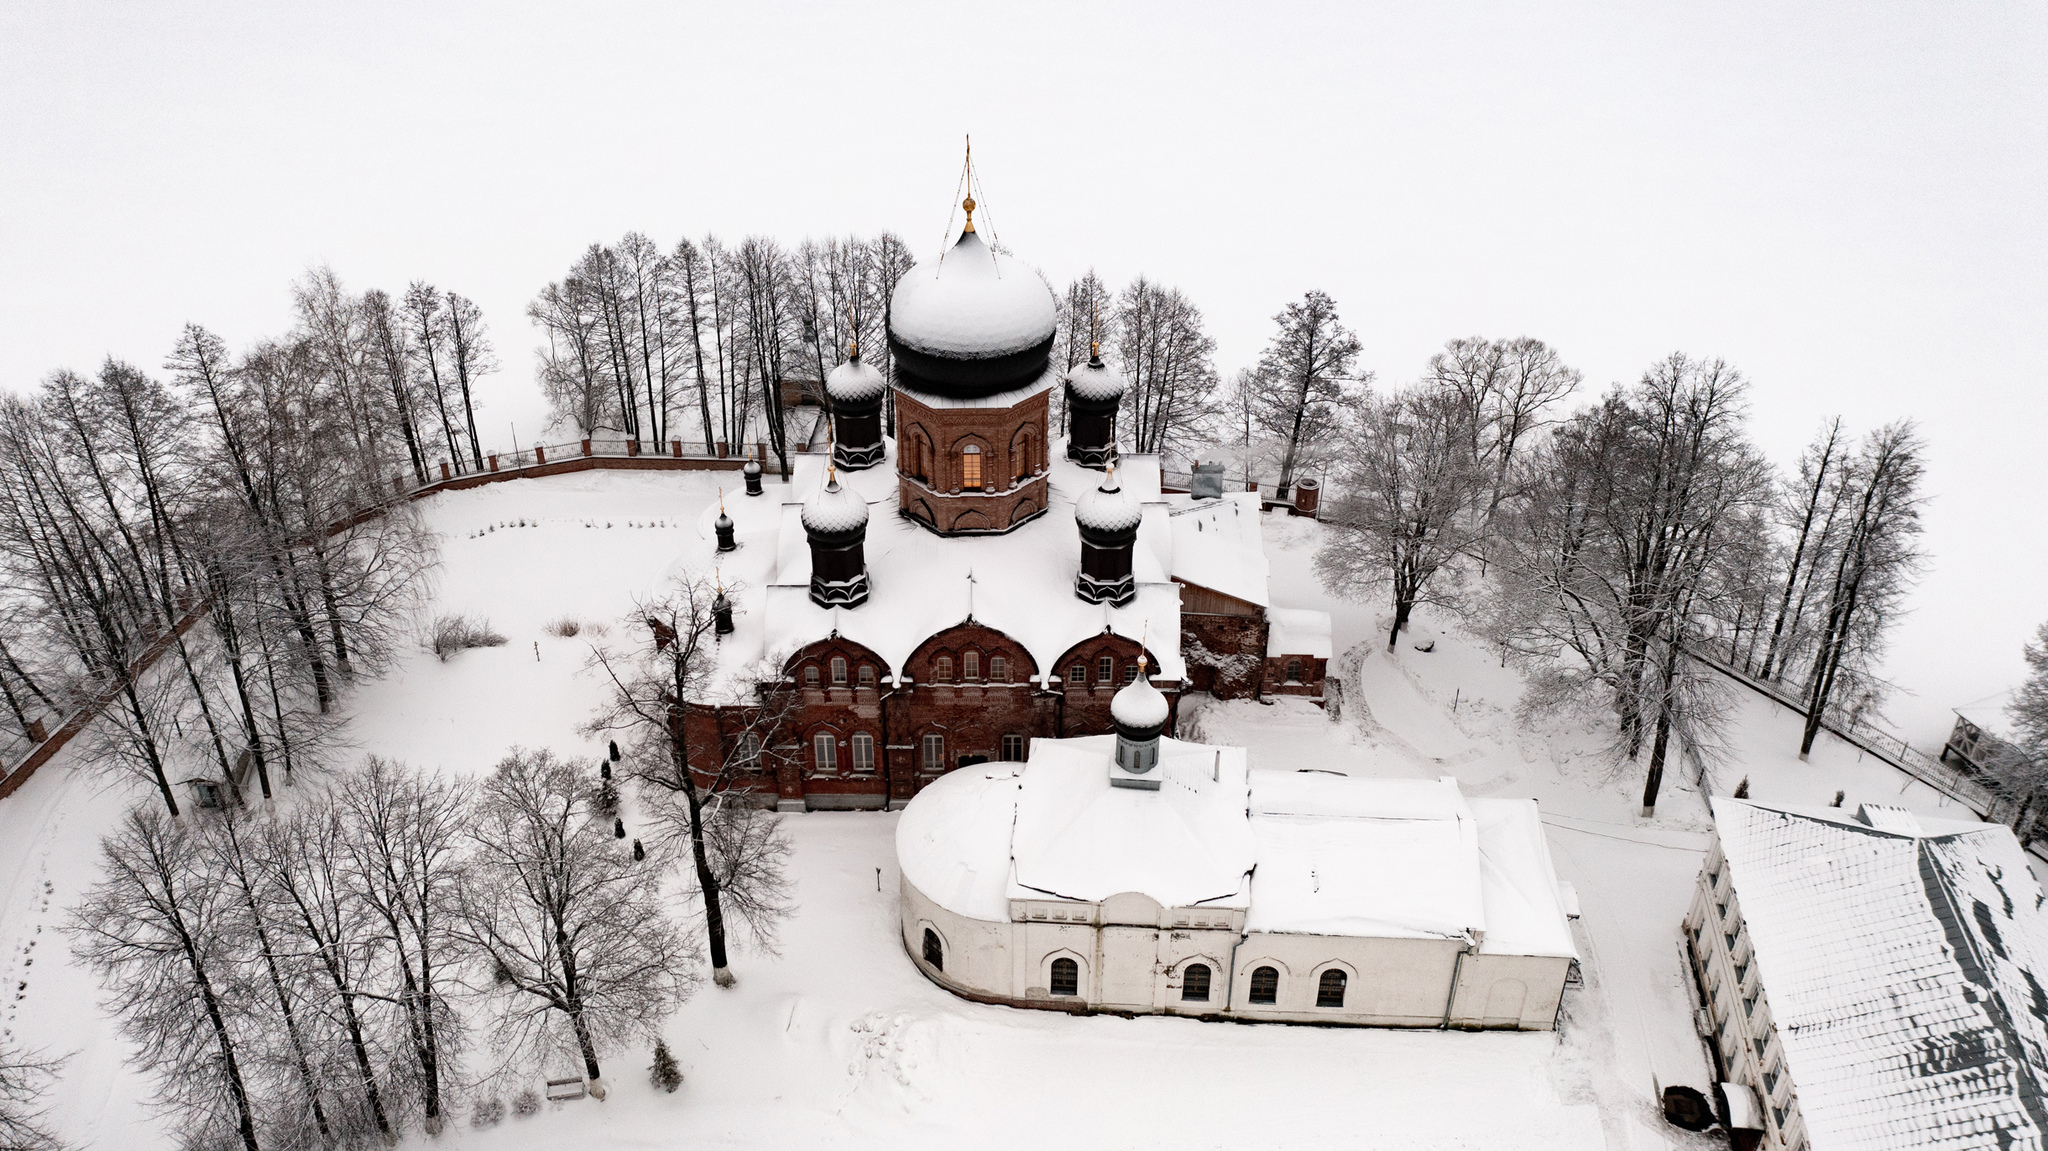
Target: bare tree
1412,502
2018,766
1170,361
151,928
650,688
471,356
25,1077
1304,374
570,926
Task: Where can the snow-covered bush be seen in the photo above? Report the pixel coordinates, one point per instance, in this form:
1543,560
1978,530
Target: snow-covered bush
565,627
526,1103
488,1112
454,633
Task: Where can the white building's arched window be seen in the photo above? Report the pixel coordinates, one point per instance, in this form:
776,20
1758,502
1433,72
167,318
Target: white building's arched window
1330,989
934,951
1194,983
1265,985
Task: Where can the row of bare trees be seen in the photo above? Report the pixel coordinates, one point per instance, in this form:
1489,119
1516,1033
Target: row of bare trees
1617,548
214,520
321,976
693,343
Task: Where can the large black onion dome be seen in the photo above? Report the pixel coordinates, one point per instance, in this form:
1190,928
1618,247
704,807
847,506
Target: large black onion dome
971,322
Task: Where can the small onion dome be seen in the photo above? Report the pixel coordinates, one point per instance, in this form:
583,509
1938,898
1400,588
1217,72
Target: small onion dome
723,523
855,384
751,468
835,512
971,323
1106,510
1096,382
1138,709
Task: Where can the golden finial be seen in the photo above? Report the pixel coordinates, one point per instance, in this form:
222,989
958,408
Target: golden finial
1095,349
968,204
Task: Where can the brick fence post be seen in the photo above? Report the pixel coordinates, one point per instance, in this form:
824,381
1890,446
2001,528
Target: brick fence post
676,448
586,446
444,469
540,454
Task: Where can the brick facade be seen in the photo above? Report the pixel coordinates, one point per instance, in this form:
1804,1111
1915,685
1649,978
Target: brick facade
937,484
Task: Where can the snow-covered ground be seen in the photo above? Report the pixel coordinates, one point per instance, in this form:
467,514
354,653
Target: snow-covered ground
840,1043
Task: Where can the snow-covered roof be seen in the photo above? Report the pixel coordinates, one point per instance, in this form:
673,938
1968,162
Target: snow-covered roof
1023,581
1217,544
953,844
1297,631
1009,399
1903,973
971,302
1377,857
854,382
1325,854
1077,837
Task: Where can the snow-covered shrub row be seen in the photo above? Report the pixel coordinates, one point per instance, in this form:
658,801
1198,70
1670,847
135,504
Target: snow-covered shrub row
454,633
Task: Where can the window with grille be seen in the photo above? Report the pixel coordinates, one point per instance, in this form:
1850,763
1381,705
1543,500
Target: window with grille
1105,669
1066,977
935,753
747,752
1293,671
839,669
1194,983
942,669
970,666
998,669
811,675
863,753
1013,748
825,753
1330,989
970,468
1130,673
867,675
1077,675
934,951
1265,985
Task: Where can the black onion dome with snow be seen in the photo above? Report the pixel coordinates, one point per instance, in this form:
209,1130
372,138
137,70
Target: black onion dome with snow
835,515
970,322
855,384
1105,511
1096,382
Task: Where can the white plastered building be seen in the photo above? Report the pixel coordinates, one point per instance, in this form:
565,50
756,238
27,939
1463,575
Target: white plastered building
1197,886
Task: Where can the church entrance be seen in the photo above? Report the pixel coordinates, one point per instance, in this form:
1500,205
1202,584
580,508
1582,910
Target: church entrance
1130,958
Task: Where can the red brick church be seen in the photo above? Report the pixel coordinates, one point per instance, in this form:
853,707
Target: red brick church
914,605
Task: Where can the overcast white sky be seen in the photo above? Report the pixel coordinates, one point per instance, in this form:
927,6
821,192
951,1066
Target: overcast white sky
1846,204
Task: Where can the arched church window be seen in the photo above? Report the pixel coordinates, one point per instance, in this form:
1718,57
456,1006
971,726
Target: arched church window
1066,977
863,753
810,675
839,671
998,669
1265,985
1105,669
1077,675
934,951
1020,456
1293,671
825,753
1330,990
747,752
867,675
935,753
970,665
942,669
970,468
1194,983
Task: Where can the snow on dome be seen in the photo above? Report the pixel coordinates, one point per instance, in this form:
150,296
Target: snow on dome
1096,381
835,510
1138,704
971,303
1107,509
854,382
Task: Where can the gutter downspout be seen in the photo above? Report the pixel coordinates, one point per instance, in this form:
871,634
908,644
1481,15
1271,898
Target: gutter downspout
1451,996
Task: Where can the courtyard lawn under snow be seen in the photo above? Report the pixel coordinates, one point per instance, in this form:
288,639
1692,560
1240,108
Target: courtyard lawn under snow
840,1042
